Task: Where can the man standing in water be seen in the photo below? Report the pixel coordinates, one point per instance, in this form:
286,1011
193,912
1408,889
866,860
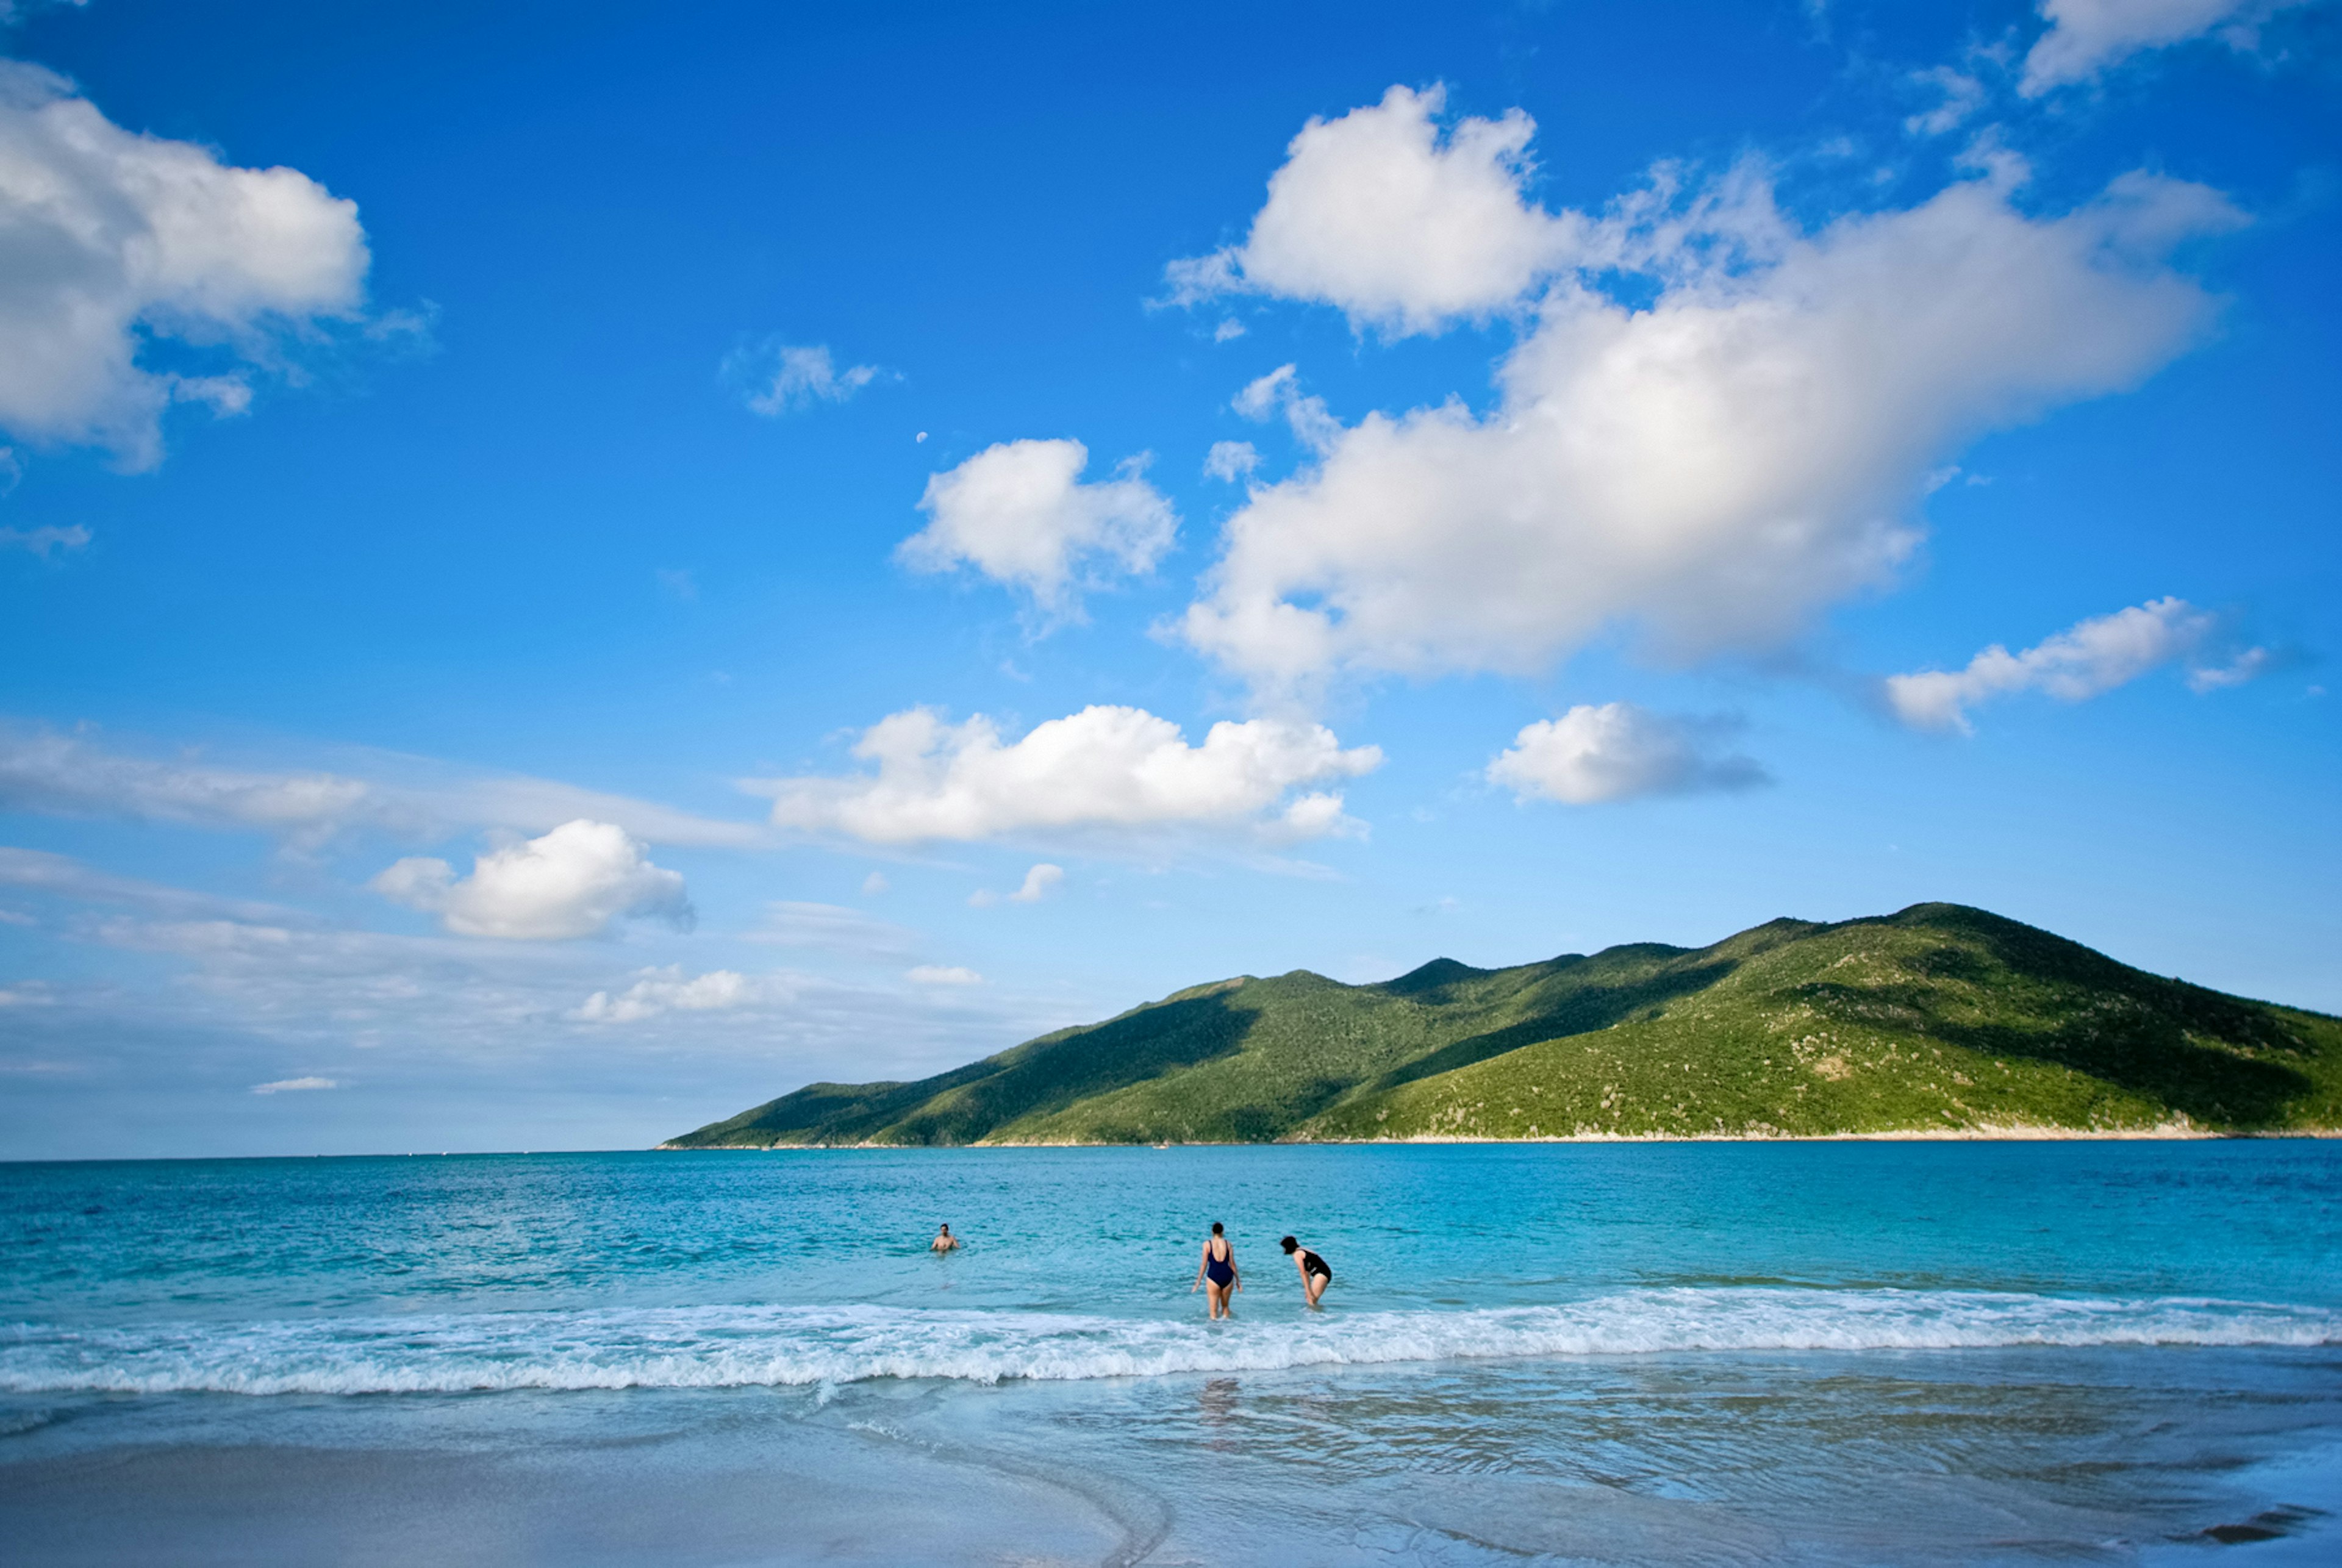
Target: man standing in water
1316,1273
1218,1273
944,1242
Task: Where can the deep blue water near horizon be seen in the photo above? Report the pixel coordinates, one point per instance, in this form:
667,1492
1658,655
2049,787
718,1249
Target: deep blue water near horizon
1830,1353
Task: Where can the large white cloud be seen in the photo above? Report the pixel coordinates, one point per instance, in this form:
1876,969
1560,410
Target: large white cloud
2087,658
1019,514
45,771
1714,466
573,882
1400,223
1618,751
1111,768
2087,36
109,238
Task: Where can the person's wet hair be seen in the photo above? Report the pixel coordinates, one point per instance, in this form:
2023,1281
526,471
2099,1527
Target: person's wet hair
1215,1227
1288,1244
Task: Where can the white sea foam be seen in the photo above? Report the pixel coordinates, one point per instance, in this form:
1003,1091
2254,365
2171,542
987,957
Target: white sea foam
747,1345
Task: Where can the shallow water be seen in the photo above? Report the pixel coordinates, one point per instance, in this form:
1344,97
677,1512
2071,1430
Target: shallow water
1669,1352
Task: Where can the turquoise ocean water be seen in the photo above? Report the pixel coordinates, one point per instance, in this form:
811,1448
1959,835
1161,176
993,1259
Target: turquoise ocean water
1847,1353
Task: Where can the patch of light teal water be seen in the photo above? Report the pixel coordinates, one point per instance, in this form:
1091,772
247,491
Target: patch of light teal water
812,1266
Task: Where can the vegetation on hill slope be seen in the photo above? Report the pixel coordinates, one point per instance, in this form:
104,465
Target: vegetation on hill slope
1938,1019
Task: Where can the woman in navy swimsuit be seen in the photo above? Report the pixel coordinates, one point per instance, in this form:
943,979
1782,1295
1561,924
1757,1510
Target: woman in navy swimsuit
1218,1273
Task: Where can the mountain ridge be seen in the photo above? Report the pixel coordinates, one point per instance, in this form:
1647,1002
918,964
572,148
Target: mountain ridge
1937,1020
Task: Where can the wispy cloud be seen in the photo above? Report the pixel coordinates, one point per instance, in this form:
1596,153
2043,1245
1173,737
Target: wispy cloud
776,378
62,876
832,928
44,541
2086,38
261,974
291,1085
1039,883
2088,658
49,772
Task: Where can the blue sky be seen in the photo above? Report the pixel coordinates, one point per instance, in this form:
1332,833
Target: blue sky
567,570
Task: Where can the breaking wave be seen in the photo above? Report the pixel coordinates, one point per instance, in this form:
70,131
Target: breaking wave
752,1345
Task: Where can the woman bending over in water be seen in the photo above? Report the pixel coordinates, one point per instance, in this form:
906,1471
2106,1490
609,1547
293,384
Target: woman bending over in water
1316,1273
1218,1273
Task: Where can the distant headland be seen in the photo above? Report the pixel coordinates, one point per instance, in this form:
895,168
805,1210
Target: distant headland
1941,1020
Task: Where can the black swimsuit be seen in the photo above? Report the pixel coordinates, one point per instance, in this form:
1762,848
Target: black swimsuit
1311,1264
1217,1270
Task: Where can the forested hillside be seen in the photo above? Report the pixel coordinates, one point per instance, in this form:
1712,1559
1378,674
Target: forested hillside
1940,1019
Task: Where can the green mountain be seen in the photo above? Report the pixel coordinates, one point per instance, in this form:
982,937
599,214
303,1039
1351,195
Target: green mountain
1940,1019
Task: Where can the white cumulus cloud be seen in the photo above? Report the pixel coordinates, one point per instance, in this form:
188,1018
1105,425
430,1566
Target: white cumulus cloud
778,378
109,238
2086,37
573,882
667,990
1402,225
1618,751
1019,514
1105,767
2087,658
1711,467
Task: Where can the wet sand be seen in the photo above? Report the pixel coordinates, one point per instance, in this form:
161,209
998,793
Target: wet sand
2011,1457
737,1494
